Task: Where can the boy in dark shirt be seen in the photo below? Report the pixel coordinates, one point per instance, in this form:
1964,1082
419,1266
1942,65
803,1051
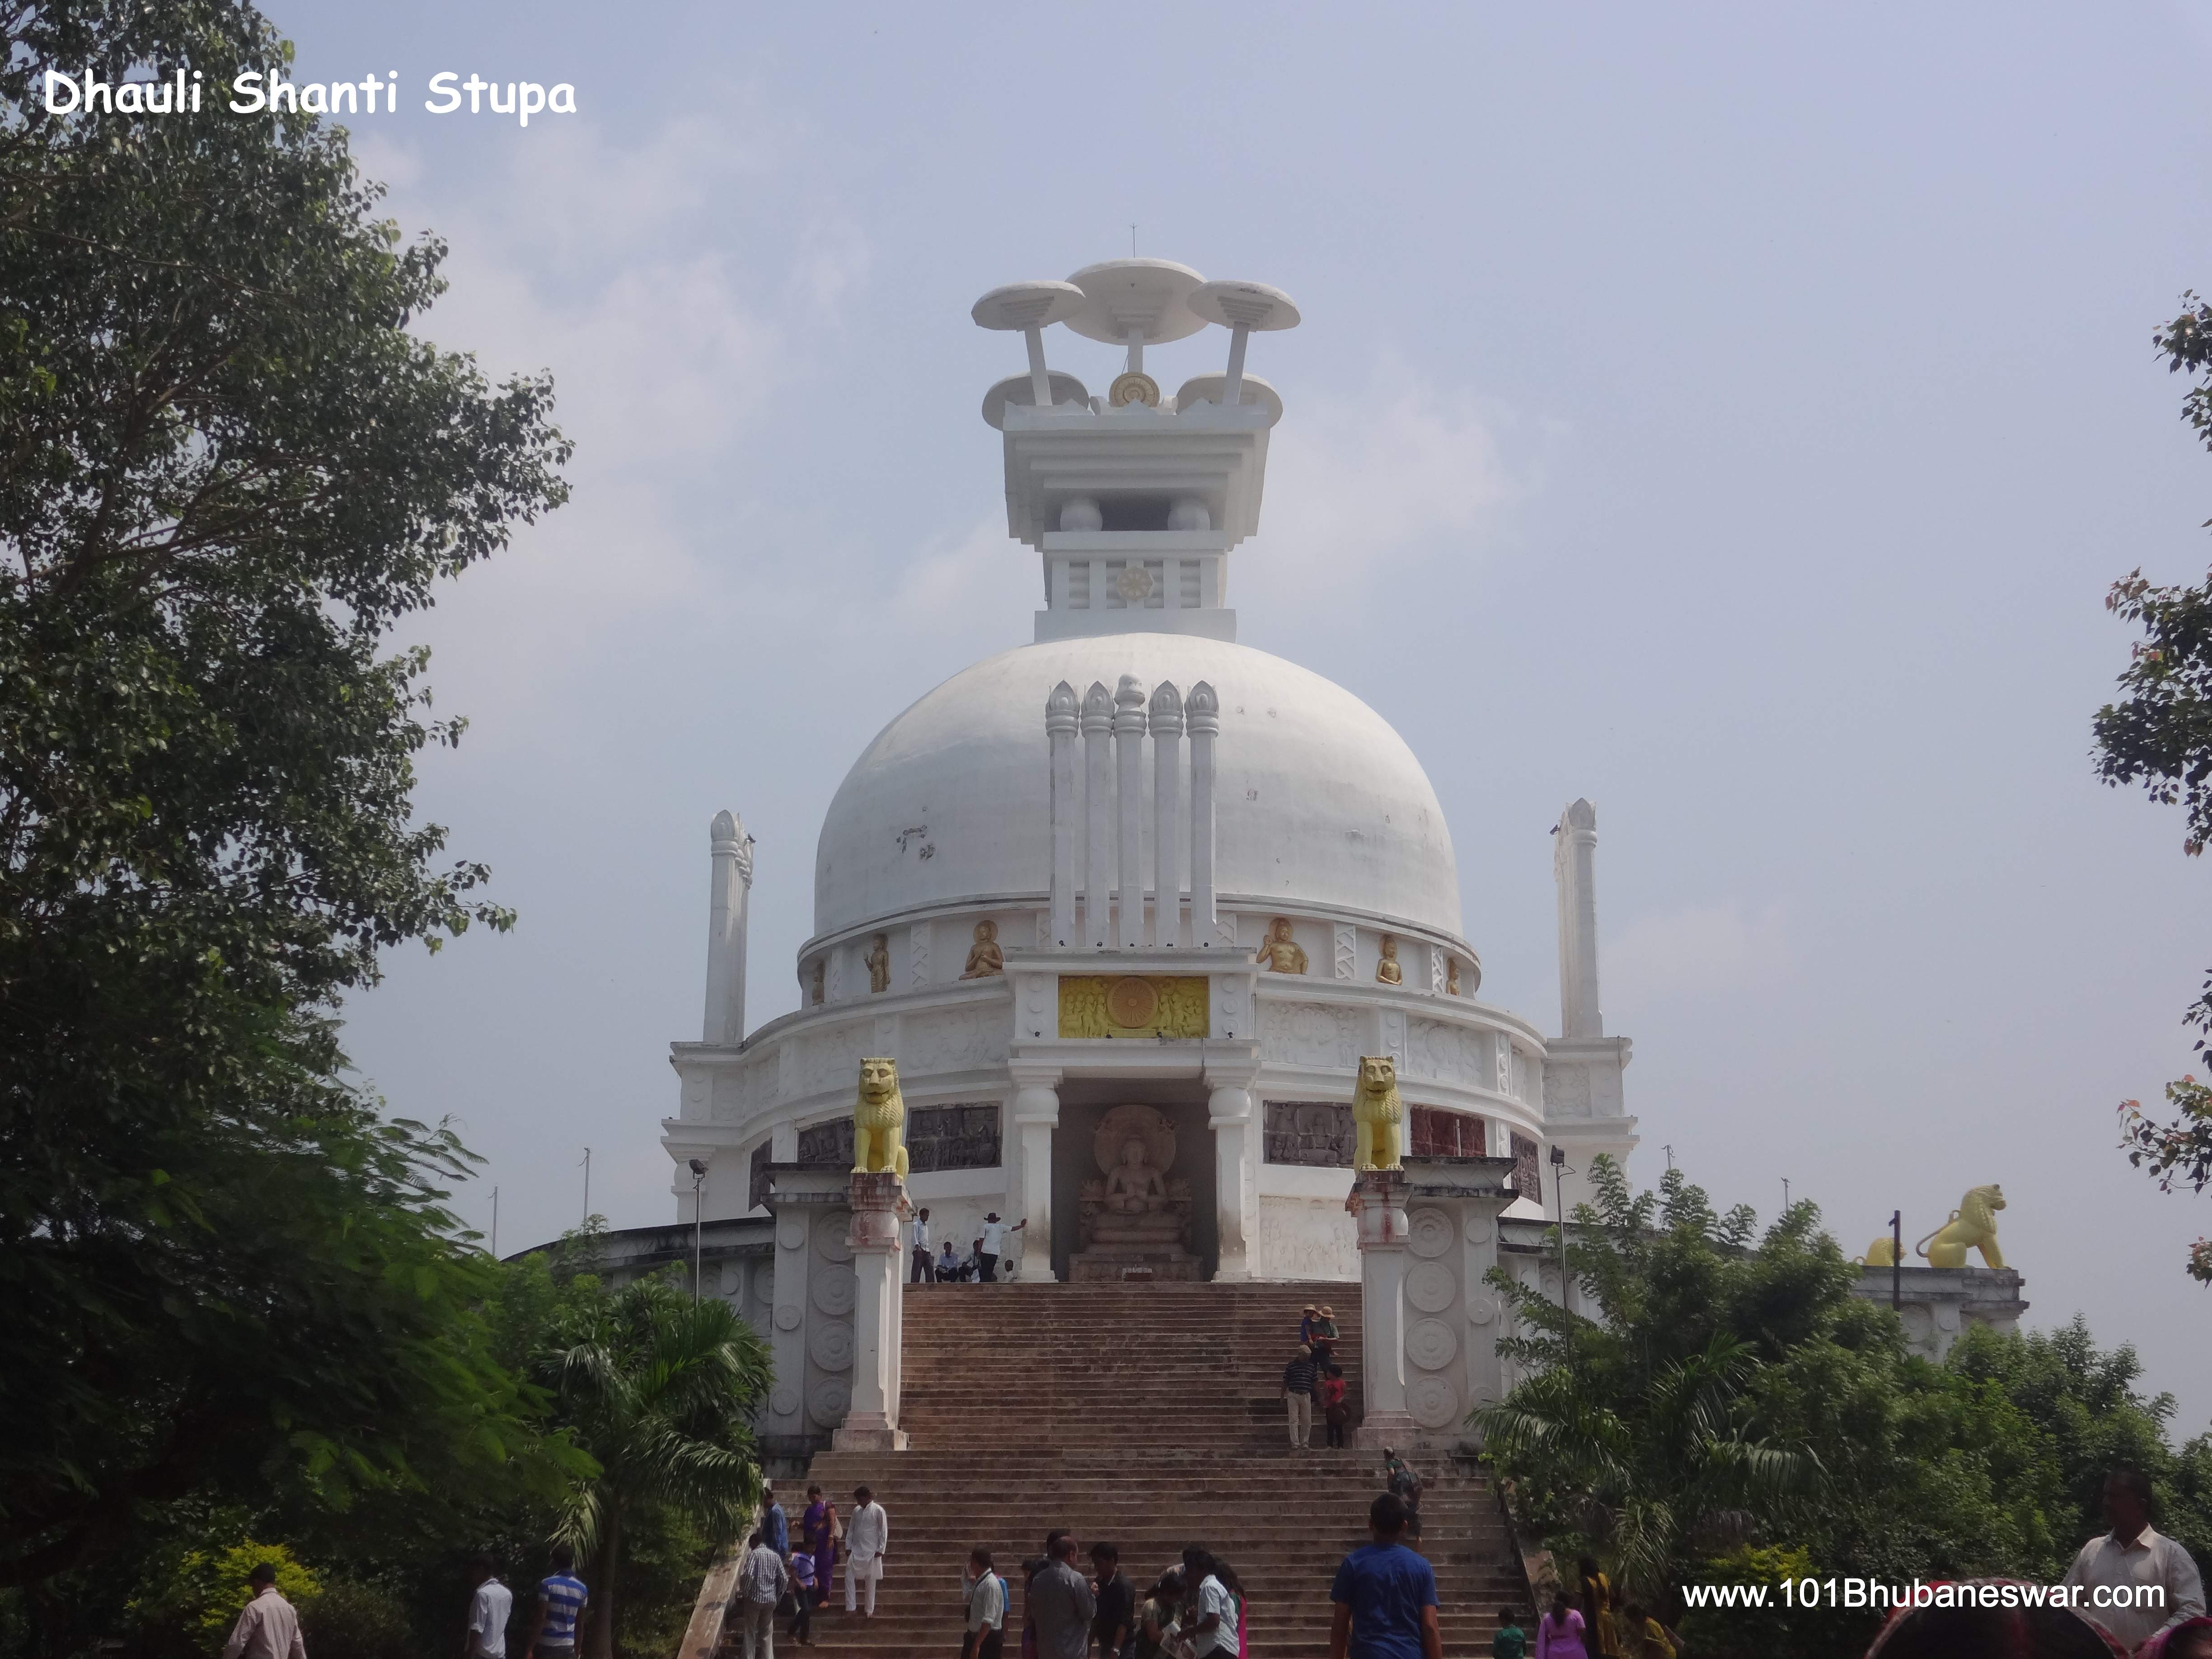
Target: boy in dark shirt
1115,1626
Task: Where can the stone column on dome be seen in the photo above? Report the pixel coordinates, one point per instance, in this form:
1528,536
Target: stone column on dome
1167,815
1029,1197
1097,815
1574,867
1236,1199
731,850
1060,722
1377,1205
1203,712
1129,824
871,1425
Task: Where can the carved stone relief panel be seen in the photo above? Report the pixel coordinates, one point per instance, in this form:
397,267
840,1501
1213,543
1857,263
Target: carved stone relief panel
1447,1053
1317,1133
828,1145
1310,1034
829,1059
757,1190
962,1137
954,1039
1569,1091
1347,949
1305,1238
1524,1170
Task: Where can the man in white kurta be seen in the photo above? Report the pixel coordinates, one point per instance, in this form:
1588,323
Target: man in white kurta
867,1534
2133,1564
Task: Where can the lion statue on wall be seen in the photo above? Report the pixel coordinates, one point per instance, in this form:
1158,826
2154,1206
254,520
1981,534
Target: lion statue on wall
879,1121
1376,1114
1973,1224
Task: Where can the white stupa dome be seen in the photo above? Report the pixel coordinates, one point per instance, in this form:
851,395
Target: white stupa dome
1319,805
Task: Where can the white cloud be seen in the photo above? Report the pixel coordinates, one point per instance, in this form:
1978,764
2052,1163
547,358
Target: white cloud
1404,471
1694,953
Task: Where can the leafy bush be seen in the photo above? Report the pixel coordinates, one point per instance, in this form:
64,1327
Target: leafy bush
351,1619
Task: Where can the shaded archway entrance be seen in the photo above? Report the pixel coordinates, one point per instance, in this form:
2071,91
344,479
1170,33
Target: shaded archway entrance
1082,1102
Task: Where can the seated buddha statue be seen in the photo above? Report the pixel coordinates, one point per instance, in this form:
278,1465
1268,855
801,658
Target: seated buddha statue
1137,1204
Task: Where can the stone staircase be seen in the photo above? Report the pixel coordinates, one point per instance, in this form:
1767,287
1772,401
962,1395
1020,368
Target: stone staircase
1150,1416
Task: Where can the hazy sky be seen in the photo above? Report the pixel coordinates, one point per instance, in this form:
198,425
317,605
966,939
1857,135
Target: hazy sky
1734,417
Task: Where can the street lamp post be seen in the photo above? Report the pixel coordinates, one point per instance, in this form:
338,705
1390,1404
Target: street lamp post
698,1206
1560,1210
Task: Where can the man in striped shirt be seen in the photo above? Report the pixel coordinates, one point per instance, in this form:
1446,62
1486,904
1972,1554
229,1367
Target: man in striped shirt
562,1598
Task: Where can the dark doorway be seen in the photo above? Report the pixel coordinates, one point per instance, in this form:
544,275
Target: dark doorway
1082,1102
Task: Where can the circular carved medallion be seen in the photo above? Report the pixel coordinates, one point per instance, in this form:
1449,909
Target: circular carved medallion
829,1345
1431,1286
764,1281
1481,1309
1429,1233
1433,1403
828,1401
1134,387
784,1402
833,1236
791,1233
1134,583
1478,1229
1132,1002
787,1316
1431,1344
836,1289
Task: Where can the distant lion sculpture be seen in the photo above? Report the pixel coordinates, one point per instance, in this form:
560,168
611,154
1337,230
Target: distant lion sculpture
1376,1113
879,1121
1972,1225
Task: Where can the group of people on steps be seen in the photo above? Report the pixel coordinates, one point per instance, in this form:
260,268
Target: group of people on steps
1583,1625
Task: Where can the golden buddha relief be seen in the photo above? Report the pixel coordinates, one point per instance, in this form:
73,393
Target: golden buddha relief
1134,1005
1387,971
1282,953
984,957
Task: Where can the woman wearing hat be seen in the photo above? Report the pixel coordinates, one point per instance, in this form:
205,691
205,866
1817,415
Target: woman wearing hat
1321,1334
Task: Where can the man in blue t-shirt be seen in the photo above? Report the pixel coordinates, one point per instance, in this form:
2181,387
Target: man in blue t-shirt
562,1598
1385,1595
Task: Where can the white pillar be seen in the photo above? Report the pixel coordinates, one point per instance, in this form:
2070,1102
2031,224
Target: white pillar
1129,829
1204,712
1097,815
1167,815
1236,1199
1060,724
871,1425
1574,867
1036,1114
1377,1205
732,879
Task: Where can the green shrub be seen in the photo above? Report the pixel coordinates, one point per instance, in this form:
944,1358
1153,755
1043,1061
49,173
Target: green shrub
353,1620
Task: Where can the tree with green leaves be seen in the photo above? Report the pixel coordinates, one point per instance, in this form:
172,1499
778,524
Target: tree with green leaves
2159,735
229,467
1722,1398
660,1389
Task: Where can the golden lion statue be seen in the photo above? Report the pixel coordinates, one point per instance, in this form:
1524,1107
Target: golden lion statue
879,1121
1376,1112
1973,1224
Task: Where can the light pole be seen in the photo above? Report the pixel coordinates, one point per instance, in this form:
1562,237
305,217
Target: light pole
1560,1210
495,1224
698,1189
1896,1259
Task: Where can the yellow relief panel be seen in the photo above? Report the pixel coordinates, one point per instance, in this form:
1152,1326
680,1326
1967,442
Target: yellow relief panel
1133,1005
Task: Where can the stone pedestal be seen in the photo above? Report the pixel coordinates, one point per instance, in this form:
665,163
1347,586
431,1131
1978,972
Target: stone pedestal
1377,1205
1237,1199
878,1203
1109,1263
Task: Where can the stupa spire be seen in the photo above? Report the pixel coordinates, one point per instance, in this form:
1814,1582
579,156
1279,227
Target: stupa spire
1134,499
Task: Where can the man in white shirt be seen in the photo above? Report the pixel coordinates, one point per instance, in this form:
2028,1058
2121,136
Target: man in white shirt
987,1608
994,1237
2130,1559
488,1614
1211,1624
268,1629
867,1535
761,1580
924,1269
